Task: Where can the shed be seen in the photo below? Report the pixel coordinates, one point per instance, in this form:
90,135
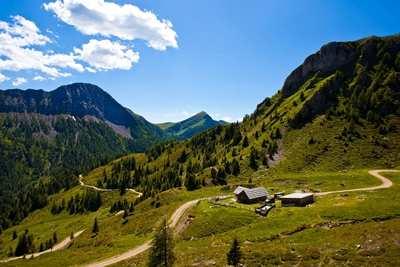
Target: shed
250,195
297,199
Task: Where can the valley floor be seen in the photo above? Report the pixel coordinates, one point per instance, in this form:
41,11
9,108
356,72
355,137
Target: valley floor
348,228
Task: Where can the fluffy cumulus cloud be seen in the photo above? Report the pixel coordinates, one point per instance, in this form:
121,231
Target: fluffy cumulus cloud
18,50
21,33
18,81
126,22
106,55
23,47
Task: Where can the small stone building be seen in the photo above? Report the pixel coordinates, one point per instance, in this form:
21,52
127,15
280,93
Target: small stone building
297,199
250,195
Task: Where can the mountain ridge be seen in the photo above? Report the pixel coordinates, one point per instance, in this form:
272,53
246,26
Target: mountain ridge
85,99
191,126
81,99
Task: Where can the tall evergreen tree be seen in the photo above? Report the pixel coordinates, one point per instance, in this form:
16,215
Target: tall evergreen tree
25,244
234,255
14,235
245,142
95,228
190,182
253,159
55,238
162,254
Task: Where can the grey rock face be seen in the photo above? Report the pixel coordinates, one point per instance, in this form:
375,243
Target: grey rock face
329,58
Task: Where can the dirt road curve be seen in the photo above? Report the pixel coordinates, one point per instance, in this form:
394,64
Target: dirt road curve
62,245
173,222
105,190
127,255
386,183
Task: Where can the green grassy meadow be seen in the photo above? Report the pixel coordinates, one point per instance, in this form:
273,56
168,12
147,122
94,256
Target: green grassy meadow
308,236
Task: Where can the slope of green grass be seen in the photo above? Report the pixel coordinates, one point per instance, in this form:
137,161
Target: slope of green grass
317,245
116,234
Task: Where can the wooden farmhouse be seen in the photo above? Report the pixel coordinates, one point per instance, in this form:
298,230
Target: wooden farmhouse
250,195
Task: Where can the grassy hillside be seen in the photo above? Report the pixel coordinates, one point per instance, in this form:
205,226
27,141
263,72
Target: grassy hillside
357,228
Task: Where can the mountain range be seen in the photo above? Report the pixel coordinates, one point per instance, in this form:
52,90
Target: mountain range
62,133
89,101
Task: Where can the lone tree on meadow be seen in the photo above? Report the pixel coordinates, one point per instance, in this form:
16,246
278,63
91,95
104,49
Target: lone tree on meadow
95,228
162,254
234,254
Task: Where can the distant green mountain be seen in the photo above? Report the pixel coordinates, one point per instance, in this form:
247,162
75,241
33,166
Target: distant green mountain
80,100
190,127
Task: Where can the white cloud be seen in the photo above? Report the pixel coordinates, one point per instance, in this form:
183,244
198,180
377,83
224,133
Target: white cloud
17,52
24,47
3,78
127,22
226,118
21,33
39,78
18,81
106,55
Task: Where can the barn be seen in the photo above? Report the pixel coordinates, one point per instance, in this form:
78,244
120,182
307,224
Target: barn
297,199
250,195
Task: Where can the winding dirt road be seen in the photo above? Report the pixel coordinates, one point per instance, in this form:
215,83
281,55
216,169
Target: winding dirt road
104,189
62,245
127,255
173,222
386,183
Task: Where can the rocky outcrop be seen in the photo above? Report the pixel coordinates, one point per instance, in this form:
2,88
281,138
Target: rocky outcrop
331,57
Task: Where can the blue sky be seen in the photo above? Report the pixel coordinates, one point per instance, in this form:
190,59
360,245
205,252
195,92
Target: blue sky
223,57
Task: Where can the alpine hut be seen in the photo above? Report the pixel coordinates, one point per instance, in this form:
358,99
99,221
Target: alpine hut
250,195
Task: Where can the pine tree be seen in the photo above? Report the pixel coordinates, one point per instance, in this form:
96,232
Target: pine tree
253,159
95,228
14,235
161,254
234,254
190,182
235,166
245,142
25,244
126,214
55,238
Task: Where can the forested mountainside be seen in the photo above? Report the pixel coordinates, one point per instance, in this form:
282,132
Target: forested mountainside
48,138
188,128
79,100
337,111
41,154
